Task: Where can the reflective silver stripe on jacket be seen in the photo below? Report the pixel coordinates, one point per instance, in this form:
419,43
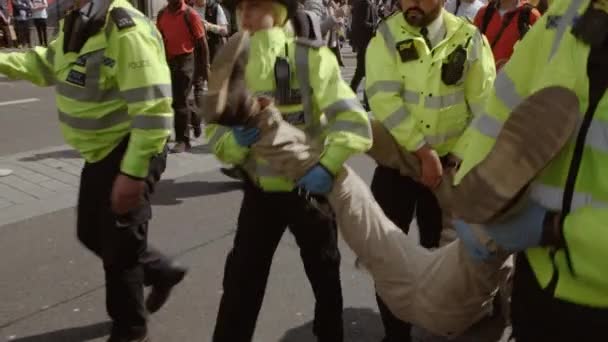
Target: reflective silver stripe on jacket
385,87
441,138
358,128
597,136
340,106
302,73
410,96
487,125
149,93
109,120
389,40
477,109
219,132
443,101
550,197
91,92
152,122
563,25
506,92
396,117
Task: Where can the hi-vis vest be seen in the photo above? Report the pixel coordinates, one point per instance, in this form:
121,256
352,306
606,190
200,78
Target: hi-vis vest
406,84
329,111
118,84
550,55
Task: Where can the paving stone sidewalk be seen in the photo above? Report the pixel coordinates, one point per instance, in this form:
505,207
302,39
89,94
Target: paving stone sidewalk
46,180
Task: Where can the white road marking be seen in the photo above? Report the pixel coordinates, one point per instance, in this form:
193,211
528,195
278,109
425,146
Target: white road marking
14,102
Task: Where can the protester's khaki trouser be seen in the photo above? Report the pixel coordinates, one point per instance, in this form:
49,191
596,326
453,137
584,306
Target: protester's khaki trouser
444,291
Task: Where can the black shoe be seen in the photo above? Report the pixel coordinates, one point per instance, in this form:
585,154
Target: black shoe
161,292
180,147
233,172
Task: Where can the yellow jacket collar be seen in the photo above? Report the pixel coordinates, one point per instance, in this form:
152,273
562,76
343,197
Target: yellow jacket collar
451,22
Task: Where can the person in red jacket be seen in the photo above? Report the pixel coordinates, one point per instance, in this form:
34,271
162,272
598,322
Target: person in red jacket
504,22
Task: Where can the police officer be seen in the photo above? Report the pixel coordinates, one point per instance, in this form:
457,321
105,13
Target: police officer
560,287
428,73
304,78
114,105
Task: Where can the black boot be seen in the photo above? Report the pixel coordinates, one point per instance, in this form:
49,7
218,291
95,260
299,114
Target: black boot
160,292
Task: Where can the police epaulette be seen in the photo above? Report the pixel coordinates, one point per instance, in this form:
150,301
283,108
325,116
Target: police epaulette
122,18
316,44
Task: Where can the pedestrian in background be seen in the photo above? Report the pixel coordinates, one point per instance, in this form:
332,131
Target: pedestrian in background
464,8
188,56
5,21
40,16
22,12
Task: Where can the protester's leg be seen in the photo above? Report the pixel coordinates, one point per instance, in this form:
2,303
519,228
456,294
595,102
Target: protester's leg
397,196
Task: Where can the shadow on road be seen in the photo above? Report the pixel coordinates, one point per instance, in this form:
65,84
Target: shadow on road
168,192
70,154
77,334
360,325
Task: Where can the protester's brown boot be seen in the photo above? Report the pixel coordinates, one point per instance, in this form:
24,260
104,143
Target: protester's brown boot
530,138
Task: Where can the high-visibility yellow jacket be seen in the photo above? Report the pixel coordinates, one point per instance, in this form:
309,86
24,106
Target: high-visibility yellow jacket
337,120
408,94
118,84
550,55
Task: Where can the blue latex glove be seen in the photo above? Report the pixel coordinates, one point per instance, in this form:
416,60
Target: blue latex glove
476,249
317,180
523,231
246,136
519,233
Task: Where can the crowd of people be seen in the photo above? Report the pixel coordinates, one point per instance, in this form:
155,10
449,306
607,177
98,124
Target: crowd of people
17,20
488,124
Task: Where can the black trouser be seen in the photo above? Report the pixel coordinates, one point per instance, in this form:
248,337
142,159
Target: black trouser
537,316
263,218
41,30
128,261
359,74
22,28
182,73
359,70
399,198
198,85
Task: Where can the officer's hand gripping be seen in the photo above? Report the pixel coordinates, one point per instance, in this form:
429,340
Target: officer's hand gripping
127,194
317,181
431,167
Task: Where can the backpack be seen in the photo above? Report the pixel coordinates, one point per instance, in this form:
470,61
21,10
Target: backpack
523,22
